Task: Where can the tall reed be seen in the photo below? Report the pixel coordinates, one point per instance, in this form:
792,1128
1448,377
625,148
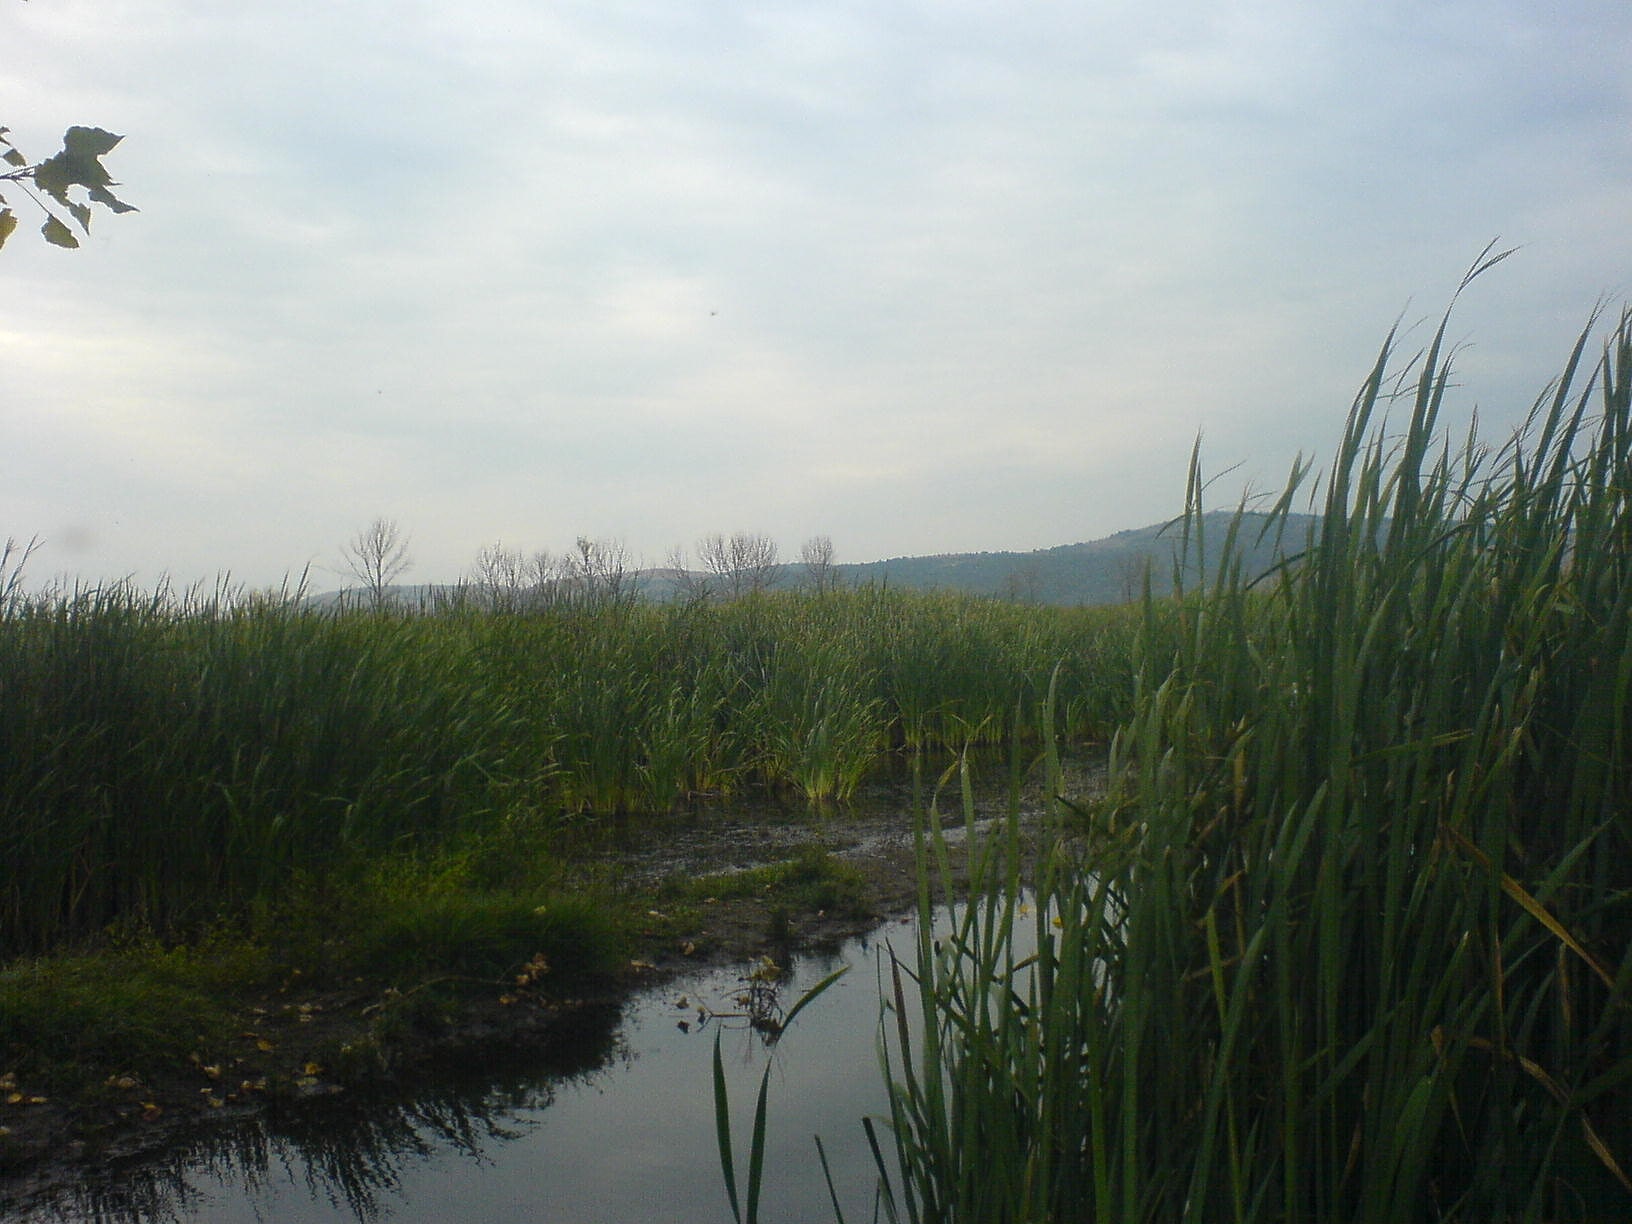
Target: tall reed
1352,937
166,759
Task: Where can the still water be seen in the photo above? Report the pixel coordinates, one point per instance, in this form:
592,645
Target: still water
618,1128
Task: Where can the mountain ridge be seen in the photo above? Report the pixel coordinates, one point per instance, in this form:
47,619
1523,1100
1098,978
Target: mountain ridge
1107,570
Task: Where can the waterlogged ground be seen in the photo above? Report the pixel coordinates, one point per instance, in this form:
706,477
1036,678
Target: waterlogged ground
621,1129
611,1117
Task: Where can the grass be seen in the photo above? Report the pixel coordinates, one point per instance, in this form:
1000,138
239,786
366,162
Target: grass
1351,939
812,881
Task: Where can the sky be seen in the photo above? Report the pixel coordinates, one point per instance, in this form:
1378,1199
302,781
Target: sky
922,276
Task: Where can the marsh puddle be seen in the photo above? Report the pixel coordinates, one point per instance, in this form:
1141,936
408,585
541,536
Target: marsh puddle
620,1127
613,1122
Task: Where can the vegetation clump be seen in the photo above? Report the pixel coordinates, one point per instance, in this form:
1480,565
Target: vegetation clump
1354,937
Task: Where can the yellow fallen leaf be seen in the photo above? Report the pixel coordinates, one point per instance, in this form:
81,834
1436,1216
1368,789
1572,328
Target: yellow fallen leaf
312,1068
264,1046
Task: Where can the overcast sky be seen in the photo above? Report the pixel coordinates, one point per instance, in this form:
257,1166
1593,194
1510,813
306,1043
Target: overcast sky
922,276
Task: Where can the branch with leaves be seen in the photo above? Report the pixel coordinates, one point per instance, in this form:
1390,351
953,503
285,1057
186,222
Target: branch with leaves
79,164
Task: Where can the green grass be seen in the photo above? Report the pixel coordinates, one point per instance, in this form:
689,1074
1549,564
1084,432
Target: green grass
1351,939
810,882
69,1021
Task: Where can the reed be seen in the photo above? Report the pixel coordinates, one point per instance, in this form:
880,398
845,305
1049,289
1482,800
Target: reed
167,759
1351,938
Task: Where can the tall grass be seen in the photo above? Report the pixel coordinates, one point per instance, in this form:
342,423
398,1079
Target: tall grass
167,759
1352,938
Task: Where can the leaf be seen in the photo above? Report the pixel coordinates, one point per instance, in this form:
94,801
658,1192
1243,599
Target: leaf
103,196
77,164
13,156
58,234
722,1131
8,222
54,176
88,143
82,214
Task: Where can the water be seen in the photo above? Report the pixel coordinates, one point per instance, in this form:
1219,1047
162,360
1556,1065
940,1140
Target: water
619,1128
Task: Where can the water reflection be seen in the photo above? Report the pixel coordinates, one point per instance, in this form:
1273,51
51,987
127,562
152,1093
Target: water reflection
347,1155
617,1126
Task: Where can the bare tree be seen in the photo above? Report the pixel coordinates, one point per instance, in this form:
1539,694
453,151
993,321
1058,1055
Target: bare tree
508,580
1024,583
597,574
497,577
690,586
745,563
377,556
816,555
542,574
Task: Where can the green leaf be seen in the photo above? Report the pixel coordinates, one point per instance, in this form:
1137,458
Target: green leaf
102,195
88,144
722,1128
58,234
54,176
82,214
13,157
8,222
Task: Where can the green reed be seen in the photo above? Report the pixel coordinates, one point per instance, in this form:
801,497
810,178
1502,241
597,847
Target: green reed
167,759
1351,938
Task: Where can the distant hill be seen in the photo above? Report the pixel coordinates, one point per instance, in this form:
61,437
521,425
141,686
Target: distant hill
1109,570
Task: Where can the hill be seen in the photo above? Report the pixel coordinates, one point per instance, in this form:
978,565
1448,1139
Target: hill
1108,570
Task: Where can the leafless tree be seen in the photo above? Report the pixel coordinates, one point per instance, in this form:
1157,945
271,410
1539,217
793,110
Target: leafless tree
690,586
497,578
1132,574
1024,583
508,580
816,555
745,562
377,556
597,574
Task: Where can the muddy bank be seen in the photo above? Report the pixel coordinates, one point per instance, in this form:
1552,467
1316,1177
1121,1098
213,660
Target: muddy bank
301,1048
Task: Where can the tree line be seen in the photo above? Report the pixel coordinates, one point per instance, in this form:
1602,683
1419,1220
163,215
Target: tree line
594,572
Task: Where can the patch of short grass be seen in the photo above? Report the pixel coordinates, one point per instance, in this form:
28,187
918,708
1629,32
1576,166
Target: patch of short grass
67,1021
813,881
487,936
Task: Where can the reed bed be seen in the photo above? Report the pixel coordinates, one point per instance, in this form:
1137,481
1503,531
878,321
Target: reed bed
1351,939
167,759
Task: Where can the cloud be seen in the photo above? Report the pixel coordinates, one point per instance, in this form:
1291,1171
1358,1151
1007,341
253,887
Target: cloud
926,276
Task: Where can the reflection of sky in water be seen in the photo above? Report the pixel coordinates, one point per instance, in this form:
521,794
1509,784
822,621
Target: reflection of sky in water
632,1141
